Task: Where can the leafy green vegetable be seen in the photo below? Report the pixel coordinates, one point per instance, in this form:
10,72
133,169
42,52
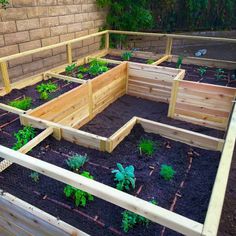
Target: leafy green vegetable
126,56
77,161
34,176
80,197
150,61
167,172
23,136
4,3
45,89
125,177
146,146
80,76
179,62
82,69
219,74
202,71
70,68
23,104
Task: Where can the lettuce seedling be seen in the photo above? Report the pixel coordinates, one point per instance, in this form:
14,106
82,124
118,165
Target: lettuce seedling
23,104
34,176
70,68
202,71
126,56
125,177
167,172
82,69
80,76
146,146
219,74
46,89
179,62
76,162
150,61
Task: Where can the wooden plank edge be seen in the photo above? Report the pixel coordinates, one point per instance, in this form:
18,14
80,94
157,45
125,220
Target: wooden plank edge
64,77
11,109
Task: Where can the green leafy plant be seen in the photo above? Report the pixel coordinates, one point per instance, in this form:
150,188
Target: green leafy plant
34,176
4,3
45,89
82,69
125,177
179,62
219,74
98,62
76,161
126,56
80,76
23,136
70,68
23,104
146,146
167,172
80,197
131,219
97,67
202,71
150,61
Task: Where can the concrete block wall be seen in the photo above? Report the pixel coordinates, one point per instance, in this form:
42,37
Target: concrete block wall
30,24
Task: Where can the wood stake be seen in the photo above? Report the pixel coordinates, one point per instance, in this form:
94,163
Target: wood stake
69,53
5,77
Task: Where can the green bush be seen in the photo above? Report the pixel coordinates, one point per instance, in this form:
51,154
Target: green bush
23,104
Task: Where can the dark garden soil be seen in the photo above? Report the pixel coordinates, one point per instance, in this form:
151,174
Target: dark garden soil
192,74
30,91
102,218
123,109
132,59
86,76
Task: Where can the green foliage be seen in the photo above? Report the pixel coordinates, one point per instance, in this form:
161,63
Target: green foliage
4,3
80,197
126,56
219,74
76,161
45,89
202,71
70,68
150,61
97,67
125,177
146,146
130,219
23,104
82,69
80,76
23,136
179,62
167,172
34,176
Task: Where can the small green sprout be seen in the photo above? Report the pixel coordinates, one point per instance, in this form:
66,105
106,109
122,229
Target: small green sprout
202,71
76,162
126,56
34,176
23,104
179,62
150,61
219,74
70,68
167,172
80,197
147,147
80,76
82,69
125,177
45,89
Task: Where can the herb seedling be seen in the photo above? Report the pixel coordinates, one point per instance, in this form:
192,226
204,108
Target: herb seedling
46,89
23,136
146,146
130,219
150,61
77,161
126,56
34,176
202,71
80,197
80,76
125,177
167,172
23,104
179,62
70,68
219,74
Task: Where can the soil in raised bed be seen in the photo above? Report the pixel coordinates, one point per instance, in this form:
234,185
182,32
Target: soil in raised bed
123,109
132,59
30,91
86,76
192,74
102,218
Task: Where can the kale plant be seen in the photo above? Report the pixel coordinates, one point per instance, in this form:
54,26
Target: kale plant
167,172
46,89
76,161
146,146
125,177
23,104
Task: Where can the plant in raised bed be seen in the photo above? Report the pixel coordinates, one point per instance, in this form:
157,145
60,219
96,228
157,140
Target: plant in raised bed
4,3
150,61
179,62
202,71
126,56
146,146
125,177
46,89
70,68
167,172
97,67
76,162
219,74
82,69
130,219
34,176
23,104
80,197
23,136
80,76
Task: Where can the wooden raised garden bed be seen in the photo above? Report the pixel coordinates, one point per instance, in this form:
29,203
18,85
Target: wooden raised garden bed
73,118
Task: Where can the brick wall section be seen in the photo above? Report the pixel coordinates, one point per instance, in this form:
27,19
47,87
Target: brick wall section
30,24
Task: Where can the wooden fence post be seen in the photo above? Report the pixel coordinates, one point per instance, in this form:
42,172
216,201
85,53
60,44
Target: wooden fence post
173,98
5,77
69,53
90,94
107,41
169,46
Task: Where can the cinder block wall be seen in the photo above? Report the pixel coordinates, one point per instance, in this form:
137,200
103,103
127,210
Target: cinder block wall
30,24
